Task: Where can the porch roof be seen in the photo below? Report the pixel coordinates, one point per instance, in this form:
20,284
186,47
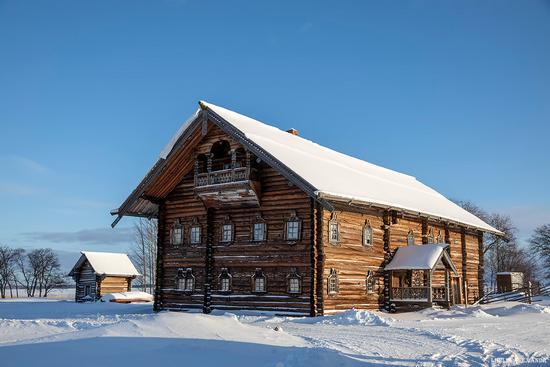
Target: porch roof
418,257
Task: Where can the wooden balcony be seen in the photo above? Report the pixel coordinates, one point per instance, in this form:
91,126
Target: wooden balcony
410,294
228,187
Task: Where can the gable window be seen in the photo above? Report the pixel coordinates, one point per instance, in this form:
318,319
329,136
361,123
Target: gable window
225,280
333,230
259,281
294,282
367,235
176,235
371,282
431,238
410,238
293,225
440,237
332,283
195,231
258,230
185,280
227,230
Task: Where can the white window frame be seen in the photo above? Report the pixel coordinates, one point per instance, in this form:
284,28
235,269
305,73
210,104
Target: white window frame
294,282
185,280
333,282
410,238
176,234
431,237
195,232
371,282
368,235
223,279
259,278
227,232
333,228
259,231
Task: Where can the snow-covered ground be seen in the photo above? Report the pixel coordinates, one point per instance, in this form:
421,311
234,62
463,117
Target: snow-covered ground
63,333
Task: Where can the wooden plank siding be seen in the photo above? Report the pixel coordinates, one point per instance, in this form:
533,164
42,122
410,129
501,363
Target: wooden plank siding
85,277
352,260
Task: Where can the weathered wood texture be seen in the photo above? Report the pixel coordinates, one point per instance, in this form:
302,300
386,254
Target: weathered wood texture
111,284
85,277
353,260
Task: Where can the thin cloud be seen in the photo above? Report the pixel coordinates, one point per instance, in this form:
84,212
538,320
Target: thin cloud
19,189
97,236
24,163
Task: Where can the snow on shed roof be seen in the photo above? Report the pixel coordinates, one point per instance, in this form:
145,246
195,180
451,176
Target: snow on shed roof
337,175
110,263
420,257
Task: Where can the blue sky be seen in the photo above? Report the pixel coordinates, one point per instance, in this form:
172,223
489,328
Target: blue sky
454,93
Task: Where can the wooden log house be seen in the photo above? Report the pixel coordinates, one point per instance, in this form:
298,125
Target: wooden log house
100,273
251,217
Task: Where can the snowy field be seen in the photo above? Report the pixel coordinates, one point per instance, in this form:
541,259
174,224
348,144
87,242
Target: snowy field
61,333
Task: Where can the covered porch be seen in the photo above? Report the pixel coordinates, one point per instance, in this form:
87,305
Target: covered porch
423,275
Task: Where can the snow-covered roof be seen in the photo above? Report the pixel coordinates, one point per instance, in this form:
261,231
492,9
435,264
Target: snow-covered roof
338,175
108,263
420,257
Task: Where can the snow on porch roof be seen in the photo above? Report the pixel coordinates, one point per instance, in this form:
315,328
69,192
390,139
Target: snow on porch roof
419,257
337,175
109,263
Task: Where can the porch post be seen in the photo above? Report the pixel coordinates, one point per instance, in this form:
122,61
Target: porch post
429,286
447,287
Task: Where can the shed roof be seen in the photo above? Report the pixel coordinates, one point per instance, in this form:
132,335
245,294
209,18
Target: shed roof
417,257
333,175
107,263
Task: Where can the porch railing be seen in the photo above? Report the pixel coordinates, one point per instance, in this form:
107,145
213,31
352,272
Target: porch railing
439,294
222,177
410,293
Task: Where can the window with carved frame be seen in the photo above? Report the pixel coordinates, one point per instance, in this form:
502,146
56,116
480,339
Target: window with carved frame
227,230
294,282
371,282
367,234
293,227
224,280
185,280
176,233
259,281
195,231
259,229
431,237
440,238
332,282
410,238
333,229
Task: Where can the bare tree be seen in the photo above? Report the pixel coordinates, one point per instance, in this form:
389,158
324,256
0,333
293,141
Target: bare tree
539,243
144,252
8,262
40,272
502,252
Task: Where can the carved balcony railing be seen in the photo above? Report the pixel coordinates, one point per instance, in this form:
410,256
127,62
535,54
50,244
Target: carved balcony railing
223,176
439,294
410,293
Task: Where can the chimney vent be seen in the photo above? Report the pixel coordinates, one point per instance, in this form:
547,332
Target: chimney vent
292,131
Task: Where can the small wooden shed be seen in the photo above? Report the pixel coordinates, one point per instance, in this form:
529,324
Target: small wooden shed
509,281
99,273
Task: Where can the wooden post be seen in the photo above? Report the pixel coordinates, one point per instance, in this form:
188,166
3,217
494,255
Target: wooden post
529,292
387,257
464,263
314,258
320,259
447,298
430,296
208,261
466,292
157,306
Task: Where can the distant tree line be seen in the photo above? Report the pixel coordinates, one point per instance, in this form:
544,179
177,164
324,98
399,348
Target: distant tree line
504,253
37,272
